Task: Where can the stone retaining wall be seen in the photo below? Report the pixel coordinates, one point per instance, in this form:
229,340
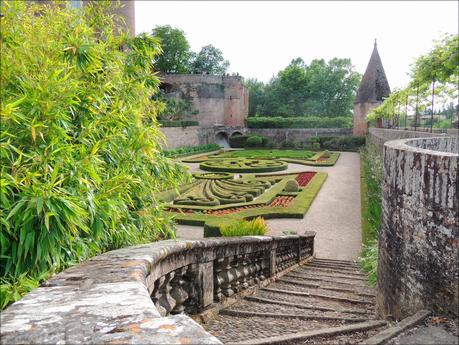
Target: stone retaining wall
181,136
141,294
379,136
281,135
419,237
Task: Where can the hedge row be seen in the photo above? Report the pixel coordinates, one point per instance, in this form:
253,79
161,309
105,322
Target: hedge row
179,123
300,122
243,165
184,151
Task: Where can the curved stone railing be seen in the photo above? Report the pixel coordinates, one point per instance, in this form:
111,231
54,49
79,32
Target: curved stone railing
142,294
419,237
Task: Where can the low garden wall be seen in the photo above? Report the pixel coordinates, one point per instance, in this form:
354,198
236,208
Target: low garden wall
281,135
419,237
379,136
181,136
141,294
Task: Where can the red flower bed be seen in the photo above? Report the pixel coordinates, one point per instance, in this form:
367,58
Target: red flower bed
281,201
304,178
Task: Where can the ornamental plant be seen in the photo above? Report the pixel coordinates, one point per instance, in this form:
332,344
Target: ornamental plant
254,227
79,142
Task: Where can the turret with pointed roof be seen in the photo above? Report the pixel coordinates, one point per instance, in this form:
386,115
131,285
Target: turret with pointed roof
372,90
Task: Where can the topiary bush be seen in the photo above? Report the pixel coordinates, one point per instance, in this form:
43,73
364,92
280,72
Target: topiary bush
291,186
254,141
238,141
80,145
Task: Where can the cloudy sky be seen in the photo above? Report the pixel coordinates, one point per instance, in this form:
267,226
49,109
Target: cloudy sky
261,37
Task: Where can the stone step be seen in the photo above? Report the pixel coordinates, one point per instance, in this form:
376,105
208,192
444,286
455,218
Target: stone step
244,313
307,306
330,273
317,295
316,302
342,262
335,268
318,333
349,264
315,279
324,287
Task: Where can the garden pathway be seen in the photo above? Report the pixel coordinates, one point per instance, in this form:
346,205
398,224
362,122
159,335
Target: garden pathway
334,215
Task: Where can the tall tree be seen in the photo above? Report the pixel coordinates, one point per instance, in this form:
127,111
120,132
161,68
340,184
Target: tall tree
176,54
256,96
209,60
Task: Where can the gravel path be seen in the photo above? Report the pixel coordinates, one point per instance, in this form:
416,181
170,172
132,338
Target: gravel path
334,214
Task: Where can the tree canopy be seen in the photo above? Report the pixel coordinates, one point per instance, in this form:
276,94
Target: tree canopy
320,88
176,52
177,56
209,60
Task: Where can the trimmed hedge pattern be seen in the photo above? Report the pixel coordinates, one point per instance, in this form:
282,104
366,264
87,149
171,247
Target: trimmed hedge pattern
272,203
300,122
191,150
243,165
179,123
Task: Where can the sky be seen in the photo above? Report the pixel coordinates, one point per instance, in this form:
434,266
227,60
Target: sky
260,38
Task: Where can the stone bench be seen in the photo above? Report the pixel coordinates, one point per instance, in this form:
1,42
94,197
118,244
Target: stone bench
142,294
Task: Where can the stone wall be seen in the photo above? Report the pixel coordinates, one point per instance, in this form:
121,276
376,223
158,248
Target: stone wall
139,295
419,237
181,136
217,100
379,136
281,135
359,119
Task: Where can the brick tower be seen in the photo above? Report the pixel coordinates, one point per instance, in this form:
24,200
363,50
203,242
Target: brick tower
373,88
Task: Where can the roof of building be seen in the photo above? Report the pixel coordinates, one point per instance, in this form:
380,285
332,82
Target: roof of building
374,86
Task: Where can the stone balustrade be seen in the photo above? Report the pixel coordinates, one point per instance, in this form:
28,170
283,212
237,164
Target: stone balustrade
142,294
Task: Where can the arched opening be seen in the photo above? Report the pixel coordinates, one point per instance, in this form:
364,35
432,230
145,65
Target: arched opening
166,87
221,138
235,133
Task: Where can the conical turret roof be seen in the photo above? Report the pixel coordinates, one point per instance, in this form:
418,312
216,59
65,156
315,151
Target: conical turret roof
374,85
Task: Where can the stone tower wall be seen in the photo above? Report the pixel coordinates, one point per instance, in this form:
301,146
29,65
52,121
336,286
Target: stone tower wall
419,237
360,122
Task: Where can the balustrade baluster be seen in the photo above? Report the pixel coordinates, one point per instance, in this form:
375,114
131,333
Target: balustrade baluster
218,279
227,277
165,301
178,292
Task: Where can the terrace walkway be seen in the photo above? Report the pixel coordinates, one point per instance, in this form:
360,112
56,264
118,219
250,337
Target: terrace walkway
334,215
321,302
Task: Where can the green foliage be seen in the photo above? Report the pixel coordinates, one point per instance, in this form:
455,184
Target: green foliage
185,151
255,227
439,68
344,143
299,122
209,60
320,89
238,141
176,53
79,143
178,123
270,154
291,186
371,180
254,141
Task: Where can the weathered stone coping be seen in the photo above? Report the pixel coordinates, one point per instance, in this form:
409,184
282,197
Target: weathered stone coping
127,295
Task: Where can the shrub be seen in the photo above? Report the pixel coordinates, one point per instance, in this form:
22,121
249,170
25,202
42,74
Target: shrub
191,150
254,141
178,123
238,141
80,161
291,186
254,227
300,122
345,143
326,154
316,146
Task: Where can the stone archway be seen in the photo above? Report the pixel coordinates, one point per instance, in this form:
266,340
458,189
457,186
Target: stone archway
235,133
221,138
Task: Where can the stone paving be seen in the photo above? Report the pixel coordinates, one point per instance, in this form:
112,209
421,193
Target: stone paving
334,214
297,308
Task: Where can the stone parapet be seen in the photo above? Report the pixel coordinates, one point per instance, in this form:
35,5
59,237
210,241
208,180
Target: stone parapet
419,237
142,294
379,136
